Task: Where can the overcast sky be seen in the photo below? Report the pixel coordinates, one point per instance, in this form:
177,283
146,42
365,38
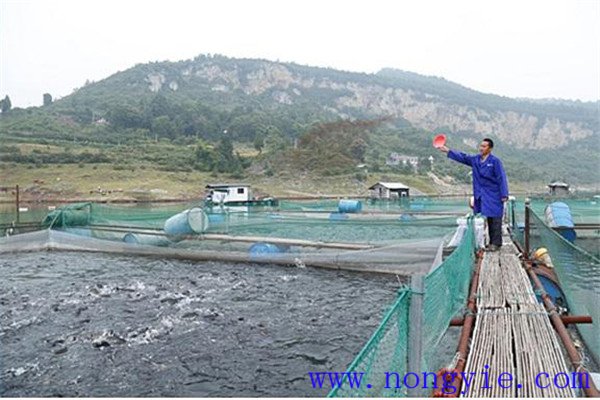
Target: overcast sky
523,48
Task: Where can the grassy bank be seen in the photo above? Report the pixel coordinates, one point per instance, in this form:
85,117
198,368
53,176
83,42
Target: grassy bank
107,182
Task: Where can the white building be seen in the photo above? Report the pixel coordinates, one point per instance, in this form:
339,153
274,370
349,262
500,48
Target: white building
399,159
389,190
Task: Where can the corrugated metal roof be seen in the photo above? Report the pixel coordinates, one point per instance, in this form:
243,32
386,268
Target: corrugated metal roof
558,184
391,185
223,185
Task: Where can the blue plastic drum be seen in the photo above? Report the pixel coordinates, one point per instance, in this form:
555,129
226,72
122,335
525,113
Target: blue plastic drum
188,222
350,206
558,215
149,240
263,248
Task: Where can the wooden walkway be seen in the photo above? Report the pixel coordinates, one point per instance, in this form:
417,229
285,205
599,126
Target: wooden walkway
512,334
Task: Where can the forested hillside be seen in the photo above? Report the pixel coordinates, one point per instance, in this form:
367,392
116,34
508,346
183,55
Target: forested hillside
245,116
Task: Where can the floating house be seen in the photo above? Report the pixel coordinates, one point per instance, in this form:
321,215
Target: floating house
389,190
224,193
235,194
559,188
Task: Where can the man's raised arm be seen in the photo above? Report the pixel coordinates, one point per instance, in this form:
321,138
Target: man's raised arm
457,156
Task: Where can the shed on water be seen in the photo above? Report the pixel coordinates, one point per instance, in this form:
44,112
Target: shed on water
228,192
558,188
389,190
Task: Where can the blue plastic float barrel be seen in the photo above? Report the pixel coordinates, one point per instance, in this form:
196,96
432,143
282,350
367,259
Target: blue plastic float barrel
349,206
558,215
263,248
187,222
150,240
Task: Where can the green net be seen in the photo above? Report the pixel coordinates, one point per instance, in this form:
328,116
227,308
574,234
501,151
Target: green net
385,351
28,214
579,276
515,221
388,237
425,205
292,220
585,211
86,214
446,290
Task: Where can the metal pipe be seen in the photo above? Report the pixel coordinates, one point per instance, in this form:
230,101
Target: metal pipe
527,227
561,330
578,227
17,203
576,319
467,327
415,332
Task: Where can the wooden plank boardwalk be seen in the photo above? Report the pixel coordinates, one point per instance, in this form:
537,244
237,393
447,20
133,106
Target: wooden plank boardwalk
512,334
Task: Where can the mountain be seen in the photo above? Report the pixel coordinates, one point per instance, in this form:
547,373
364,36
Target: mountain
255,101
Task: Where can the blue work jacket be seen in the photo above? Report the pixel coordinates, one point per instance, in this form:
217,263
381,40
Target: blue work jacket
489,182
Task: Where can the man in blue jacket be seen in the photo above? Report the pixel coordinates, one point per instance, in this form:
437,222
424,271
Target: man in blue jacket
490,187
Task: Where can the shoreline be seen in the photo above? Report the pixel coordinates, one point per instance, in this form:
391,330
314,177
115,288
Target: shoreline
286,198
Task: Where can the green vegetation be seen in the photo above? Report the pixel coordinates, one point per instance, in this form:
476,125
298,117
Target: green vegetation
5,104
212,117
47,99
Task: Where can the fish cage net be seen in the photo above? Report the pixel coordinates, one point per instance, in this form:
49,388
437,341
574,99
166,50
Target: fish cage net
578,272
583,211
385,356
401,238
394,237
385,351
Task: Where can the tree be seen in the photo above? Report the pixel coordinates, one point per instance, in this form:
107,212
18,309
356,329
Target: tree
163,127
47,99
274,140
358,149
5,105
225,160
259,141
205,157
125,116
158,107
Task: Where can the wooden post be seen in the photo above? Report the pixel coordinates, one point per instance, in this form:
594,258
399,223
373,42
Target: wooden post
512,214
415,334
17,202
527,227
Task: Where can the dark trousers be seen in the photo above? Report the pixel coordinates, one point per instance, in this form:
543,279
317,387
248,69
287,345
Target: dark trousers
495,230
